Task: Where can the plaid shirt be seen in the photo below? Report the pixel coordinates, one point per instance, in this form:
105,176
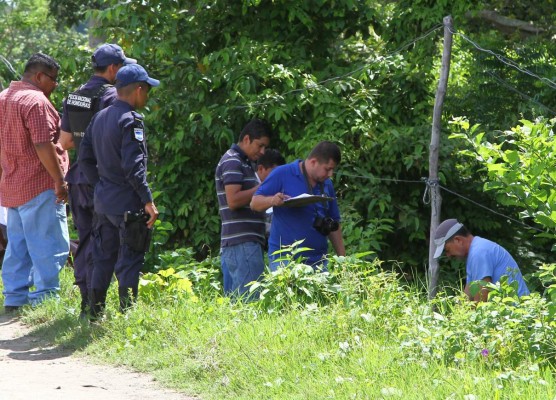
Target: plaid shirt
26,118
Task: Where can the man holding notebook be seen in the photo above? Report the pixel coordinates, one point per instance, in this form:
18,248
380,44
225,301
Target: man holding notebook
314,220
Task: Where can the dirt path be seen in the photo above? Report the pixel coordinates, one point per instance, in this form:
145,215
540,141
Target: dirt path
30,368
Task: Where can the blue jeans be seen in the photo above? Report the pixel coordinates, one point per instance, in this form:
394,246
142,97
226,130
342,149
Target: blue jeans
226,277
245,263
38,245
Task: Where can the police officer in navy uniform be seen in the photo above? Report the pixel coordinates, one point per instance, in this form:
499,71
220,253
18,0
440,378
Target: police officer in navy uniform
113,157
79,107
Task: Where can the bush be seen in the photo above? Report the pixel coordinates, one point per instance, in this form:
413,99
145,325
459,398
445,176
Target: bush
505,331
172,270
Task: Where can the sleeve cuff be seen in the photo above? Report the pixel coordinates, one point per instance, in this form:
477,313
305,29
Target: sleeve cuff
147,197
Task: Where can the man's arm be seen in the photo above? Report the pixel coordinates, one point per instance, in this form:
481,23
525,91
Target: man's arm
49,159
482,295
133,162
87,158
337,241
66,140
262,203
237,198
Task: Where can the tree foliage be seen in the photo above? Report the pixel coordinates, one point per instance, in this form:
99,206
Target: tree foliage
319,70
361,73
228,62
520,164
25,29
68,13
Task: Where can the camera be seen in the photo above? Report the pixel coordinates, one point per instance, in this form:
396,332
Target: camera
325,225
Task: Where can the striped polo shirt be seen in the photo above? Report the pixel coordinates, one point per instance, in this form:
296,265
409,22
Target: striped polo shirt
241,225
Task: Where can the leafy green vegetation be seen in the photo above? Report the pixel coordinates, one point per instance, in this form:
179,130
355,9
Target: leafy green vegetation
363,74
26,28
519,168
355,332
360,73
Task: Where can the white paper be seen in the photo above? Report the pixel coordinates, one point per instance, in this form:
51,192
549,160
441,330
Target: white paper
304,199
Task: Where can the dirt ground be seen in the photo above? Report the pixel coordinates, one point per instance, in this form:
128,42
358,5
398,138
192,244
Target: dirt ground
31,368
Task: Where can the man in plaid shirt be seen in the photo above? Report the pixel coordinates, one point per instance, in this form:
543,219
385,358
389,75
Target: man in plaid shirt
32,185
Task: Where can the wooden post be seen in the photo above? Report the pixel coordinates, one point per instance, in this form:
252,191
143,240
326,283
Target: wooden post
436,199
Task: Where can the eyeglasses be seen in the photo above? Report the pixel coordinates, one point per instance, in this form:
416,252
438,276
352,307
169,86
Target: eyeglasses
54,79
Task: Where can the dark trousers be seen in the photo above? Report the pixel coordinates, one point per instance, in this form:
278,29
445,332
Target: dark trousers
111,255
81,203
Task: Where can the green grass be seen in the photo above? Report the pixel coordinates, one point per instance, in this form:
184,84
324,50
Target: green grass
216,349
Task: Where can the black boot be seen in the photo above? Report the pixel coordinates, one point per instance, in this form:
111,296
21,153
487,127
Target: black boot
84,304
97,300
127,298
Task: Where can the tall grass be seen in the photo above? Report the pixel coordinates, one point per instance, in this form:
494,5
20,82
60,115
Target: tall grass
354,333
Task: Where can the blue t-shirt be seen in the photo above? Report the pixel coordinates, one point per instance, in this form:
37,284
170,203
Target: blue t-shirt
290,224
487,258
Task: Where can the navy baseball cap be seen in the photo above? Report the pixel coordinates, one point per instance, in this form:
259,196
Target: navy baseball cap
444,232
108,54
132,73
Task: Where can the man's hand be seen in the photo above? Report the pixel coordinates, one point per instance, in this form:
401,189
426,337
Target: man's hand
262,203
49,159
61,191
150,209
278,199
66,140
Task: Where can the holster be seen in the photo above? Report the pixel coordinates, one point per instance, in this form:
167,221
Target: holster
137,235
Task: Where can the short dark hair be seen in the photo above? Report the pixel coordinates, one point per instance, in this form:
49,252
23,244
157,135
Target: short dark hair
126,90
41,62
326,151
463,231
271,158
256,129
100,70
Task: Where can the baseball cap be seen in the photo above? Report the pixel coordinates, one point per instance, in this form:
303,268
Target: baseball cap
132,73
444,232
107,54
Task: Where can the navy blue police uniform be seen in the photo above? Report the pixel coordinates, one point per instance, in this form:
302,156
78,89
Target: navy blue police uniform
113,157
79,108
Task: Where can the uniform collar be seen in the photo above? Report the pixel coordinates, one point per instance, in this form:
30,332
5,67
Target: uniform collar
99,79
123,104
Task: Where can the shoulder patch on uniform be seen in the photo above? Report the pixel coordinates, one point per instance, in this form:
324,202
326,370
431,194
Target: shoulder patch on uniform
138,134
137,116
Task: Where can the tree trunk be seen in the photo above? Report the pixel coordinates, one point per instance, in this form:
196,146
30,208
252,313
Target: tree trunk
436,199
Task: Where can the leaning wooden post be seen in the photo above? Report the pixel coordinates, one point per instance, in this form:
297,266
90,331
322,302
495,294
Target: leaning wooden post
436,199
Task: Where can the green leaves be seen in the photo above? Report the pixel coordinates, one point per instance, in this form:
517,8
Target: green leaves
27,28
225,64
520,166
